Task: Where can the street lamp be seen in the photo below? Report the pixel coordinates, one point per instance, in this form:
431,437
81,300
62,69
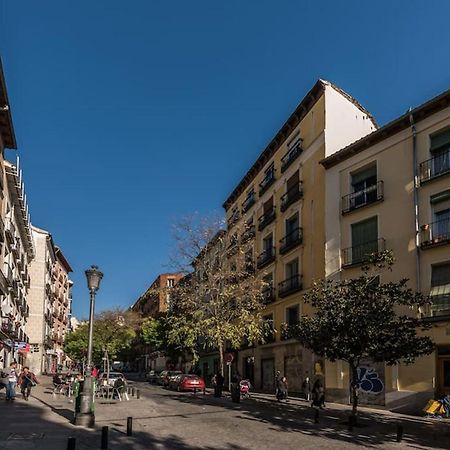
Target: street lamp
84,413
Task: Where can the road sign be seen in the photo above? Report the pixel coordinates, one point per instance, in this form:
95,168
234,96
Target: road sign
229,358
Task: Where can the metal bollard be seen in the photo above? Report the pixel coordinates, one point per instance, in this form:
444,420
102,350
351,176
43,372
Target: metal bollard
129,426
104,438
71,443
132,391
399,433
138,394
350,423
316,416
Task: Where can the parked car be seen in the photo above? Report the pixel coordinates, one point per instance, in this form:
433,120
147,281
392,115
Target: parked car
113,376
188,383
152,376
165,375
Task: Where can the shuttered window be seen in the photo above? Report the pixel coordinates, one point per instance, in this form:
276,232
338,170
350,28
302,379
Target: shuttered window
440,141
440,289
364,239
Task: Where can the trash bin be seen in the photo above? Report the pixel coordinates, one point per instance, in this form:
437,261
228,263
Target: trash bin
77,389
235,393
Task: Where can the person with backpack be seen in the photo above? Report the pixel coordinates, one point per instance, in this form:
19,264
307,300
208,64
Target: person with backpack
27,380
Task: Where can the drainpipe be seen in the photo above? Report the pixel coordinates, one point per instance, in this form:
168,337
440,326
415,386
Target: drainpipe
416,199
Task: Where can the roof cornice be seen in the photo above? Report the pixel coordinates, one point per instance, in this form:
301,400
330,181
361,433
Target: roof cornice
6,123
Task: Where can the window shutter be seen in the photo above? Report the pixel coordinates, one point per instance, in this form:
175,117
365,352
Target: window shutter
440,140
364,174
364,232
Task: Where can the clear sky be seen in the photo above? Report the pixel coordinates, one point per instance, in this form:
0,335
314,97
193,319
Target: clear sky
131,114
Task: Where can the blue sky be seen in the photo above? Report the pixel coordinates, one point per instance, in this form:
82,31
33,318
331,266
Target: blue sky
131,114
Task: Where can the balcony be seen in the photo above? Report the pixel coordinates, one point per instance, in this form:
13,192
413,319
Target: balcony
48,343
10,230
266,219
3,283
356,200
268,180
249,233
233,219
361,254
292,195
291,156
248,202
290,285
266,257
8,274
435,167
291,240
435,233
269,295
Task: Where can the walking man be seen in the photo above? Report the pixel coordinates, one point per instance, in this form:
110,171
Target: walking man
27,380
10,376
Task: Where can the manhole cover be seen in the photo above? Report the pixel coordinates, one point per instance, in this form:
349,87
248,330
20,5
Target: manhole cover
25,436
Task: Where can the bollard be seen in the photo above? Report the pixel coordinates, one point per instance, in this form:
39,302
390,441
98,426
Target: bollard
316,416
132,391
399,433
104,438
350,423
129,426
71,443
138,394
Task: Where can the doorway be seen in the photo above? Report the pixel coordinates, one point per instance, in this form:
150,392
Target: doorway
443,375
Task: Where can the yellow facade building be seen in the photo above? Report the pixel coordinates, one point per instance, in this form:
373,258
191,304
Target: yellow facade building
282,197
391,189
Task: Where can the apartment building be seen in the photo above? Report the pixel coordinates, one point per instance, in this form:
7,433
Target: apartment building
154,302
41,300
61,305
282,196
391,190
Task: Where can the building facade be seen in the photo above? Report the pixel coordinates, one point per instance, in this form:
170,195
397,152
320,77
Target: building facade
282,197
391,190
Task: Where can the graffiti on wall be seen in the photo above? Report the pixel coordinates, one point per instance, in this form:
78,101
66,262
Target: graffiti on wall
371,382
368,381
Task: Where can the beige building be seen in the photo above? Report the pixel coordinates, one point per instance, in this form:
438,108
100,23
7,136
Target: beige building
391,189
282,197
41,300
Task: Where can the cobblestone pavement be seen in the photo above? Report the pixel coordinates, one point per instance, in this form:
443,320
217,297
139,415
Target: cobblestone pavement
164,419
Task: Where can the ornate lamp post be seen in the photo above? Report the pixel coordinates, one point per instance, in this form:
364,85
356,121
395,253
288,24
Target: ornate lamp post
84,415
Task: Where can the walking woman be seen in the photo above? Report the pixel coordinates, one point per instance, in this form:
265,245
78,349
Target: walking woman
27,380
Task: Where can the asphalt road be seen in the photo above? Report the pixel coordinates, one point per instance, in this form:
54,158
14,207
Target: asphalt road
165,419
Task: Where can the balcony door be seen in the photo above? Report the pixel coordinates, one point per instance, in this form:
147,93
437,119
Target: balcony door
291,224
364,186
292,270
364,239
440,152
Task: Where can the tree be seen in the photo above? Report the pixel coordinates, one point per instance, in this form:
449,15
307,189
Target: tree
153,333
114,332
221,299
364,318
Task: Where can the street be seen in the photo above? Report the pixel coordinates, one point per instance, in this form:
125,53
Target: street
164,419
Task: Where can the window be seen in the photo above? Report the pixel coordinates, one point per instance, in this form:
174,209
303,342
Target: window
170,282
440,151
364,187
293,191
293,315
269,178
440,289
268,243
292,269
364,239
291,224
269,332
249,199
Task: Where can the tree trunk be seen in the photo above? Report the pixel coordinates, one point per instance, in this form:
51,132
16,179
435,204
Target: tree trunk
354,388
221,365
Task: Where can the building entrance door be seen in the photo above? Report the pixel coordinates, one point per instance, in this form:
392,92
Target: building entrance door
249,369
443,375
268,375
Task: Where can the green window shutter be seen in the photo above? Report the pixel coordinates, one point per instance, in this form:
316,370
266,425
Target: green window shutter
440,140
440,275
363,232
440,197
364,174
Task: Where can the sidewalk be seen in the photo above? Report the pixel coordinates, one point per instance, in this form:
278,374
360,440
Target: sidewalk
43,422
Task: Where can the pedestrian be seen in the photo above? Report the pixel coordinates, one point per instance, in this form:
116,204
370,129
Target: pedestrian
27,380
277,382
94,372
282,392
10,376
306,386
318,394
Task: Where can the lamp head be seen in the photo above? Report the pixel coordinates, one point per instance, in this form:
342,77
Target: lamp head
94,276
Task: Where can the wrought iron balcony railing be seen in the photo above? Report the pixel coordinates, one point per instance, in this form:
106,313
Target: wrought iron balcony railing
267,218
291,240
291,196
363,198
435,233
268,180
266,257
291,156
290,285
435,167
360,254
248,202
268,295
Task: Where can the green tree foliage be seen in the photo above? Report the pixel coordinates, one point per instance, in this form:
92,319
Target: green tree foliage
221,300
364,318
114,332
153,333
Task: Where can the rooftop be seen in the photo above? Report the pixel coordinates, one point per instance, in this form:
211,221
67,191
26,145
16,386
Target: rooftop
6,124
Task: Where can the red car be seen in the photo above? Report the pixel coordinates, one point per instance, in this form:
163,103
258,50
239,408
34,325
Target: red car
190,383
